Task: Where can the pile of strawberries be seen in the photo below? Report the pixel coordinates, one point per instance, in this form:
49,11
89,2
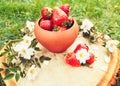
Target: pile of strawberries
73,61
56,19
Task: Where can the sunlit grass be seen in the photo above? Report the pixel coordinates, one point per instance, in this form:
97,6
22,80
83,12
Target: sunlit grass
103,13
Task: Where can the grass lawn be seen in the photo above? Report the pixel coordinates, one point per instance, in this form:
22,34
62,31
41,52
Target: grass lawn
105,14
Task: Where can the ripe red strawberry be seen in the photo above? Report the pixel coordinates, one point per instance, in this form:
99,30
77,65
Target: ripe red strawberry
46,13
61,29
65,8
59,16
71,60
46,24
54,27
68,23
80,46
91,60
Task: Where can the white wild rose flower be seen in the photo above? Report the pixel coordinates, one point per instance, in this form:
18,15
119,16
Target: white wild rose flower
86,25
30,25
24,50
27,40
82,55
32,72
112,45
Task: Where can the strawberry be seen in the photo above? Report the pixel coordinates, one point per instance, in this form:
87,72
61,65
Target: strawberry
61,29
80,46
65,8
91,60
71,60
68,23
59,16
46,13
46,24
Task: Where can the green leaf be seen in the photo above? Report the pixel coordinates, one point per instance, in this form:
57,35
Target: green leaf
104,44
36,59
5,64
11,57
42,58
7,71
33,43
47,58
38,64
86,64
2,83
22,74
119,45
24,62
11,64
2,54
14,69
31,61
9,76
1,69
92,39
17,76
37,48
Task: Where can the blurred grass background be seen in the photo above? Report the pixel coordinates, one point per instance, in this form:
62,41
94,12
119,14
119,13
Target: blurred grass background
105,14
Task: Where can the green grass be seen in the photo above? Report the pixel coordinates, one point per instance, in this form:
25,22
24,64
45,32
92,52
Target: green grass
105,14
14,13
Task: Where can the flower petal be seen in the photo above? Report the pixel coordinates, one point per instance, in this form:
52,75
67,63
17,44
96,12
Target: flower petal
32,72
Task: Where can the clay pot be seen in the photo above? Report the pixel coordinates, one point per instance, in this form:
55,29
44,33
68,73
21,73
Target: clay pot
56,42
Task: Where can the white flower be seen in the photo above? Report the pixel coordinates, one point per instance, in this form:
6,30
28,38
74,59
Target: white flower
18,47
27,52
86,25
106,37
30,25
82,55
27,40
23,50
32,72
112,45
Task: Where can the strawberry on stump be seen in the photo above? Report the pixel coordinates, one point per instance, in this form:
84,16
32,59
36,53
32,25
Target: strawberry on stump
71,58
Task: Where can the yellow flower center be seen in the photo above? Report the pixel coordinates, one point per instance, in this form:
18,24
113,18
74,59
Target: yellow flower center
27,41
23,50
32,71
112,45
31,25
81,55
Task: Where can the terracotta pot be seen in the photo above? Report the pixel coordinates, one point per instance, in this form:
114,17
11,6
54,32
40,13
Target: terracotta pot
56,42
